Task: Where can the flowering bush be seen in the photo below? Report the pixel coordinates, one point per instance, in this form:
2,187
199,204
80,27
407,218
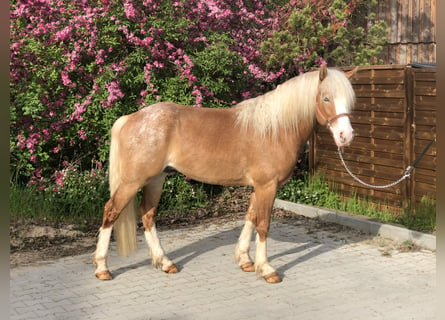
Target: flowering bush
78,65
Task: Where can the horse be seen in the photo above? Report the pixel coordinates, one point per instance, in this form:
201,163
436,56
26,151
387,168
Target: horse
254,143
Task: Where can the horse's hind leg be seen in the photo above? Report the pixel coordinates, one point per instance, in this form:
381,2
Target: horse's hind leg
120,199
150,199
243,246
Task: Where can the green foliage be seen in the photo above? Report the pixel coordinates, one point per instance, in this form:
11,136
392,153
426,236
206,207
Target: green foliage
315,35
423,218
310,190
181,194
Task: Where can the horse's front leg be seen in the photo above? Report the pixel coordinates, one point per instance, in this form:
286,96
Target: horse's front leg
265,196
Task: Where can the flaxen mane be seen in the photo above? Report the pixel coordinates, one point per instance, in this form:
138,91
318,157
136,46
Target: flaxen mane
291,102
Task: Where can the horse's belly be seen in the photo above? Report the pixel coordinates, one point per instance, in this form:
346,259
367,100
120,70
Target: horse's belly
212,171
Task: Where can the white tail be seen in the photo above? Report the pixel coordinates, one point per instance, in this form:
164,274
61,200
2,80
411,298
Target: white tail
125,225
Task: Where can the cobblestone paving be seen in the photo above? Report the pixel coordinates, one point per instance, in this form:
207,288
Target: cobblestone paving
325,276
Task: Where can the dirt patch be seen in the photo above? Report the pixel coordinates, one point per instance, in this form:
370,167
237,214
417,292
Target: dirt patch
39,241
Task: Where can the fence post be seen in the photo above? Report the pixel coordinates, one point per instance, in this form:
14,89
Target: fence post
407,186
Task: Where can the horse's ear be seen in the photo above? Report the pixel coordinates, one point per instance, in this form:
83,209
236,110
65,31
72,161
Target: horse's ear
323,72
349,74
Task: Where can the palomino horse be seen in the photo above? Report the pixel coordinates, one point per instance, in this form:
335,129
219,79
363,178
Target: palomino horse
254,143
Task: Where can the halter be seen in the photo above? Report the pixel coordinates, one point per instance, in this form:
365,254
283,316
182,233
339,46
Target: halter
328,122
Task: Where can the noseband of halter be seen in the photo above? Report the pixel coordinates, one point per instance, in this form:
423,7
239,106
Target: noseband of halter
328,122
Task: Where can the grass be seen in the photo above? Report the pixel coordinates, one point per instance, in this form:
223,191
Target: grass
316,190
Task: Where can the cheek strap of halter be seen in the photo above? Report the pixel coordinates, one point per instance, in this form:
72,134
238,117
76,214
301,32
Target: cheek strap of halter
328,122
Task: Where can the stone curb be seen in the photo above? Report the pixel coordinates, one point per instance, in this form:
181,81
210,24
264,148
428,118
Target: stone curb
361,223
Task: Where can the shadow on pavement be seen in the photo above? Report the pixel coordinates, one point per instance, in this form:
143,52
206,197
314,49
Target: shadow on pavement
303,239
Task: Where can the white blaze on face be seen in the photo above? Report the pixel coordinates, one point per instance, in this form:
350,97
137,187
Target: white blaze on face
341,128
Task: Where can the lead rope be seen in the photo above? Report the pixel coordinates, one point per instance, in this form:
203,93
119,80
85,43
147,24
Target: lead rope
407,173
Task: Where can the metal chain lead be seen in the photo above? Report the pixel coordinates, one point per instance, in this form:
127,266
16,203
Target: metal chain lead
407,173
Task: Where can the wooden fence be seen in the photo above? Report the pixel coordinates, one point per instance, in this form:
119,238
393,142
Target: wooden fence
394,119
412,30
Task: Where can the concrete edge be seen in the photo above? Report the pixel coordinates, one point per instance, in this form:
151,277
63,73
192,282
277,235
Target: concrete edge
423,240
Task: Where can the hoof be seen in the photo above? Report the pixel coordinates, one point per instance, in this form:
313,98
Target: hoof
248,267
272,278
104,275
172,269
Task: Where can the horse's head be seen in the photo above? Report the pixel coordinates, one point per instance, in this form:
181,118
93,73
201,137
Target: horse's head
335,98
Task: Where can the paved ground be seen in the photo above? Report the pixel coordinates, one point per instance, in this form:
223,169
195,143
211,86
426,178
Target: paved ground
326,275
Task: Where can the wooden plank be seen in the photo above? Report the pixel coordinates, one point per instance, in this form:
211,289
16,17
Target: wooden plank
427,75
380,91
425,135
382,121
427,173
379,145
429,180
349,183
420,145
365,168
387,132
425,103
424,189
425,117
384,159
426,90
389,149
427,162
379,104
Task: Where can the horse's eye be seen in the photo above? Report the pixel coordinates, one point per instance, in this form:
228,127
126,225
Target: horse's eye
326,99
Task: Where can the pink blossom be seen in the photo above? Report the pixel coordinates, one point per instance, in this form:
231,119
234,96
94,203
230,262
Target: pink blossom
59,175
130,13
46,134
100,56
114,92
66,80
82,134
63,34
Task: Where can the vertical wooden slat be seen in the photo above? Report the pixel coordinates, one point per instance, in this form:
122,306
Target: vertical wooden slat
415,20
421,18
433,21
405,22
394,21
